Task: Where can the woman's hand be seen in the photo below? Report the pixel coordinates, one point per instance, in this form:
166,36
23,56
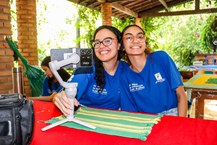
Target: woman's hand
63,103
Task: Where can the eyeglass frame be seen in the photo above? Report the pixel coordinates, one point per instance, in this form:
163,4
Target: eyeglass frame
135,36
102,42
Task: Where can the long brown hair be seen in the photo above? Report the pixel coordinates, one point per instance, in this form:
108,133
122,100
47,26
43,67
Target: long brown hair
100,76
63,73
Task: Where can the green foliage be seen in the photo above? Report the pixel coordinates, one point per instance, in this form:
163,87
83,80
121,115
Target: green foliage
122,23
185,42
180,36
13,19
87,21
55,25
209,33
150,25
177,35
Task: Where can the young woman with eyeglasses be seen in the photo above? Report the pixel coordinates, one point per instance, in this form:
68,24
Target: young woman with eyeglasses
99,86
152,83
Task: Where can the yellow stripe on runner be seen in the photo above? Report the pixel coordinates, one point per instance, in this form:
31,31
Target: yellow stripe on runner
118,116
112,123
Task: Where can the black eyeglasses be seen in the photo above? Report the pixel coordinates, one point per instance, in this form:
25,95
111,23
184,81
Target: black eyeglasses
106,42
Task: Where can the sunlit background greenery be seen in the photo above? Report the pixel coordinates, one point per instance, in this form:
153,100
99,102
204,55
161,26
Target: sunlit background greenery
63,24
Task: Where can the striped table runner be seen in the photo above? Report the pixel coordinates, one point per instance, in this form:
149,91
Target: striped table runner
113,122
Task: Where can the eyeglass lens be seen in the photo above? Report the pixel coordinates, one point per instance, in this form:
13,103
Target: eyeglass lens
138,37
106,42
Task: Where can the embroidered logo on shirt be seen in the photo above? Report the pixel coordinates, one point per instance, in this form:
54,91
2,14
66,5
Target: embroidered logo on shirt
136,87
159,78
96,88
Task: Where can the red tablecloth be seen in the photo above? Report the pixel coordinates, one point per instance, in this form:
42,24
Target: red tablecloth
169,131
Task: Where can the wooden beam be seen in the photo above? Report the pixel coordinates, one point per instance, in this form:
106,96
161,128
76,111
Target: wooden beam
197,4
187,12
164,4
138,22
160,7
118,0
112,1
124,10
101,1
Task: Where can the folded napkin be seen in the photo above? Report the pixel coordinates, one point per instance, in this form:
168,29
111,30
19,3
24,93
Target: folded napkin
113,122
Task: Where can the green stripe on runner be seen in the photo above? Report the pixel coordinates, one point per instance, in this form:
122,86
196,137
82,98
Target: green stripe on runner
122,117
120,121
117,113
117,126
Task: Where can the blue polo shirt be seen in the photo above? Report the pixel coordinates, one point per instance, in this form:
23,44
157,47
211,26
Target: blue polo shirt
46,91
152,90
87,90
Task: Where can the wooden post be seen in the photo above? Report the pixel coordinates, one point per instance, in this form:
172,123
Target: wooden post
27,35
106,9
137,21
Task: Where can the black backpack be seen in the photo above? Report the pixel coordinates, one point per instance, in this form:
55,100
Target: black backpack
16,119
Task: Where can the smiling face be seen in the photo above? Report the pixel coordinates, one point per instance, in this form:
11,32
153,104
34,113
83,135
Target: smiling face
134,41
107,45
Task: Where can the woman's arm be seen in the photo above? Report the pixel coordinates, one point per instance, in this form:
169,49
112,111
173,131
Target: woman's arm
182,101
